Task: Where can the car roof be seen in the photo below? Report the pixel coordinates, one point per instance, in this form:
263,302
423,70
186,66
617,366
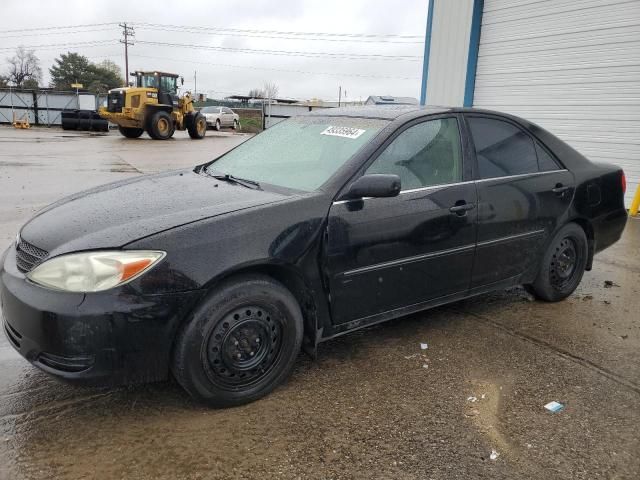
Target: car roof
391,112
386,112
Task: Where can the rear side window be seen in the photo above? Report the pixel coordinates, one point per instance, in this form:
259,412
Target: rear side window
423,155
502,149
545,161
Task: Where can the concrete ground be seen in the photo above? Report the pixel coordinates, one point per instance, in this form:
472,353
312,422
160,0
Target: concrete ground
374,405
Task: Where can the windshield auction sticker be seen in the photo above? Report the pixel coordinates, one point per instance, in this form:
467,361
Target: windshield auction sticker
346,132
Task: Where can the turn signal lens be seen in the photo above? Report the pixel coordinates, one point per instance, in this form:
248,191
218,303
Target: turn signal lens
94,271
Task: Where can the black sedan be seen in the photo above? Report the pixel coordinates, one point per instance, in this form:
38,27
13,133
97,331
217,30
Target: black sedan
318,226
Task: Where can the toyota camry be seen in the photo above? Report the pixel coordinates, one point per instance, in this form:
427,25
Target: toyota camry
321,225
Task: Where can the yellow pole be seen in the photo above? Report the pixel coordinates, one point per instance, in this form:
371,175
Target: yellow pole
635,205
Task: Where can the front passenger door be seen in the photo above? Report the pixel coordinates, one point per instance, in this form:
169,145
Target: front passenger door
385,254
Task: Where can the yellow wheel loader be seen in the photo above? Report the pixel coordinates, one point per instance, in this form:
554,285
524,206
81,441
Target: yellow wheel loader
153,106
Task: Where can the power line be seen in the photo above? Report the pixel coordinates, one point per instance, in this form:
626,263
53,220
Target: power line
288,53
40,29
57,33
281,32
248,67
51,46
214,32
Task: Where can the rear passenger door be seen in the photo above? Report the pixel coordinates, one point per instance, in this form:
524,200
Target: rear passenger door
523,192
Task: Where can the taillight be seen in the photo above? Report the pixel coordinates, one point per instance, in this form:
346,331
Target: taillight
624,183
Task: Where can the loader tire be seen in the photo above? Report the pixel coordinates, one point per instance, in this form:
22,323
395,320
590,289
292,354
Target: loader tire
161,126
130,132
197,126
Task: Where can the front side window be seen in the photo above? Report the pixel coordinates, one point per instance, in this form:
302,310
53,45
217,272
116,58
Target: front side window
425,154
226,110
168,84
301,153
502,149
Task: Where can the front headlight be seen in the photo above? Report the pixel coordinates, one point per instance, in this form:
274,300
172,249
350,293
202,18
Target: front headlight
94,271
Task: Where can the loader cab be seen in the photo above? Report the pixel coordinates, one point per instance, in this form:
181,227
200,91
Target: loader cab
165,83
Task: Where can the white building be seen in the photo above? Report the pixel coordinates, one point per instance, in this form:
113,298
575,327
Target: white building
571,66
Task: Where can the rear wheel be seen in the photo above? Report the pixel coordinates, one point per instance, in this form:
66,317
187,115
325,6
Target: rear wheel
562,265
240,343
218,125
197,126
235,124
161,126
130,132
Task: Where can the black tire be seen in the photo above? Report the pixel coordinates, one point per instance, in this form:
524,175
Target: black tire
218,126
236,124
130,132
161,126
562,265
197,126
240,343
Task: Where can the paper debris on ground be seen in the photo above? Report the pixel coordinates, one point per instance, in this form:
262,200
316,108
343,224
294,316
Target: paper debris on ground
472,399
424,346
554,406
494,455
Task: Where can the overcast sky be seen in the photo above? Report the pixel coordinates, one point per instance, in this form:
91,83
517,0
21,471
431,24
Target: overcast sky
223,73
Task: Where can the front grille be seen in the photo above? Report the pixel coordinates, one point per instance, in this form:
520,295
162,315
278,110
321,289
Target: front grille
115,101
28,256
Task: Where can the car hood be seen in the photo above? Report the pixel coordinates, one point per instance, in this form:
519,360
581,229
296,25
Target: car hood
116,214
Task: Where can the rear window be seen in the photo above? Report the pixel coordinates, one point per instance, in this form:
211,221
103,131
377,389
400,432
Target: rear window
502,149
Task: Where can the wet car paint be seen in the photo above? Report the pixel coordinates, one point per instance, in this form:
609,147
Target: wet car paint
389,416
302,240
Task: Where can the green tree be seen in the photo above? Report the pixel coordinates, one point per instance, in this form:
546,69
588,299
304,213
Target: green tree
70,68
74,68
31,84
4,82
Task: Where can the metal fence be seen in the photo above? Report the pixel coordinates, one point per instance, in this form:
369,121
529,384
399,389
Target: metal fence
42,107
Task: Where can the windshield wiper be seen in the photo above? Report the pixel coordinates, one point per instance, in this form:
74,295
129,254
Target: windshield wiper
240,181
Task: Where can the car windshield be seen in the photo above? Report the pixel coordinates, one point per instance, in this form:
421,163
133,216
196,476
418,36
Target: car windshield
210,110
300,153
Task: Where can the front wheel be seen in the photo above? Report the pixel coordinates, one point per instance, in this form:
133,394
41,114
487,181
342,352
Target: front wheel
236,125
130,132
240,343
563,264
161,126
197,126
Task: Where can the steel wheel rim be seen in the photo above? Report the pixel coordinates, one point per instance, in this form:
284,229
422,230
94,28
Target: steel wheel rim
163,126
243,346
201,126
564,263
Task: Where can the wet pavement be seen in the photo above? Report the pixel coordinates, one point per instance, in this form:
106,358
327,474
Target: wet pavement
374,405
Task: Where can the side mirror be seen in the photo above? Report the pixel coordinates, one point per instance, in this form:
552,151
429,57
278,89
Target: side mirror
181,80
374,185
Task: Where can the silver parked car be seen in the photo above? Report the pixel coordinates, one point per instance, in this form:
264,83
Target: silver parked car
218,117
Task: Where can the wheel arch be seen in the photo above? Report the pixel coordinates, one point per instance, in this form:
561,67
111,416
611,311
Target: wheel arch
291,278
591,240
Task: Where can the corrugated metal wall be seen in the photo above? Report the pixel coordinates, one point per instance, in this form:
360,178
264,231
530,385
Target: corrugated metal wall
449,52
571,66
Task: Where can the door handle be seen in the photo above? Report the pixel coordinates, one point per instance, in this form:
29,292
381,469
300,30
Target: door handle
559,189
462,209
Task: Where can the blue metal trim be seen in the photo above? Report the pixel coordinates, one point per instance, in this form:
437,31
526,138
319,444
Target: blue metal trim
427,48
474,45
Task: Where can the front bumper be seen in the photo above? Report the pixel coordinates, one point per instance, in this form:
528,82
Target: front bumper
106,338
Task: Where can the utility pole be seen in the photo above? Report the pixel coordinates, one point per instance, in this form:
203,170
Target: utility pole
195,83
128,33
339,95
425,60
